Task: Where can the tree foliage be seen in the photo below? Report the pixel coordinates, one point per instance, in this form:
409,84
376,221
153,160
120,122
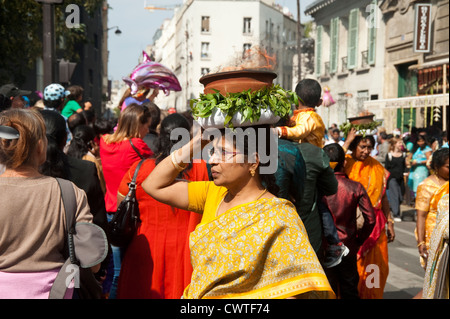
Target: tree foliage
21,35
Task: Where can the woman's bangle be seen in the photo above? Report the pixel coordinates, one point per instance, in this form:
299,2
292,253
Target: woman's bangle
420,244
175,163
390,220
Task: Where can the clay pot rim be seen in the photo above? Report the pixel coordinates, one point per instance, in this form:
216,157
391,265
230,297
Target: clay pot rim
362,119
236,74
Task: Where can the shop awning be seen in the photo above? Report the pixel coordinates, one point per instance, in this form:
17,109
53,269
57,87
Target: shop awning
429,64
410,101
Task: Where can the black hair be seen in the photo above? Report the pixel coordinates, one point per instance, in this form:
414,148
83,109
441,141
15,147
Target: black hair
75,120
55,165
103,126
309,91
164,144
360,138
54,104
155,114
335,153
5,103
439,158
83,135
90,116
418,138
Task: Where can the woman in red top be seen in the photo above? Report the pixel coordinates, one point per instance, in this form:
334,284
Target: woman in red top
157,264
117,155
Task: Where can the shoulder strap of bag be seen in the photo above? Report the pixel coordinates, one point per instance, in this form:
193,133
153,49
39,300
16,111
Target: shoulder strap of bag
132,184
135,149
137,171
59,286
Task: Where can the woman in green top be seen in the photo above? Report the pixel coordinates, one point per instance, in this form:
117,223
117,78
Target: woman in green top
73,101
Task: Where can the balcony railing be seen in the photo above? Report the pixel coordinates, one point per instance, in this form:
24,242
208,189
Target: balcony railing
364,59
344,67
327,68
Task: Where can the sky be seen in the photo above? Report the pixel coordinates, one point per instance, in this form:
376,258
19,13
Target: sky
138,26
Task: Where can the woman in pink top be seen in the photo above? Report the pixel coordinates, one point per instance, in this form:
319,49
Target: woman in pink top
117,155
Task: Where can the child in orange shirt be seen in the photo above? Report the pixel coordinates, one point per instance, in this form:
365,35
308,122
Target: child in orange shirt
307,127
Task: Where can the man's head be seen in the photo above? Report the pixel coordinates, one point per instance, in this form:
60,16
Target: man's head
336,154
54,95
310,92
15,95
335,135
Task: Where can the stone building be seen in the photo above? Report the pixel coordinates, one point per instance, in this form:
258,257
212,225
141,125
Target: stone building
349,55
207,36
415,77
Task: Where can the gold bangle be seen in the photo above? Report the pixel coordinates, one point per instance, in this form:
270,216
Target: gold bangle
420,244
390,220
175,164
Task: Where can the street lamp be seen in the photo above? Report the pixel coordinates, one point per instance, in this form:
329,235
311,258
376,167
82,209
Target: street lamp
118,32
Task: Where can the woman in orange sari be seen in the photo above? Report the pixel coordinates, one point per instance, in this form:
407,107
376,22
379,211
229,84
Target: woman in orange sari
363,168
429,192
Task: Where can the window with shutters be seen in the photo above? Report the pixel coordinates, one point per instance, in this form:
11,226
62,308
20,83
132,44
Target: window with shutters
246,50
372,34
205,50
247,26
318,54
334,45
205,24
352,40
204,71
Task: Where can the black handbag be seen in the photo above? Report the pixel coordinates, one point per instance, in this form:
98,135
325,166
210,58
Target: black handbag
125,221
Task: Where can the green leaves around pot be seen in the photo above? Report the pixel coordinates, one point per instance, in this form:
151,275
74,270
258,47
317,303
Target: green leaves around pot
249,104
346,127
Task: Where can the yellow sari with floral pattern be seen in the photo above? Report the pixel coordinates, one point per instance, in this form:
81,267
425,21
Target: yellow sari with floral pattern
436,282
255,250
429,192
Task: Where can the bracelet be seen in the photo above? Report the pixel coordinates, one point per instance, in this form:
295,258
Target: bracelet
175,164
420,244
390,220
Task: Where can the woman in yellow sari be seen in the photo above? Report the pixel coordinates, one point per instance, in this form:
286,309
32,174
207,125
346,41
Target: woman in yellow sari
429,193
436,283
363,168
249,244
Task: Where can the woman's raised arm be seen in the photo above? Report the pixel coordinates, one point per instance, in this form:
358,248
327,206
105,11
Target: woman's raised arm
162,184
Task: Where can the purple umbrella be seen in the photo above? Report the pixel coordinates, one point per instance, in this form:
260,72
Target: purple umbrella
150,74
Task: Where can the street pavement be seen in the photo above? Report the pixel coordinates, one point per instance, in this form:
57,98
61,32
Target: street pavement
406,275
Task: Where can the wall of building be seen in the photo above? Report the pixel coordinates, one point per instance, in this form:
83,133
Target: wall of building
399,51
350,87
180,44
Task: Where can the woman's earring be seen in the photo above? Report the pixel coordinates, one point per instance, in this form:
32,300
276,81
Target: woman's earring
252,172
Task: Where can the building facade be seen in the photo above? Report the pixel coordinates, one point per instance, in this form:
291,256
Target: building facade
349,55
207,36
416,78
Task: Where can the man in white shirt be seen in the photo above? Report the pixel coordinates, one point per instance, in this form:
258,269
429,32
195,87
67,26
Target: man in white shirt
335,137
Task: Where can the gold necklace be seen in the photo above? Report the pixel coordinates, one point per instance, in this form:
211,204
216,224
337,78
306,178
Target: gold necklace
264,191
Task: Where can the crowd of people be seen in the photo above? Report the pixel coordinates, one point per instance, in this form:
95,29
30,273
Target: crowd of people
219,227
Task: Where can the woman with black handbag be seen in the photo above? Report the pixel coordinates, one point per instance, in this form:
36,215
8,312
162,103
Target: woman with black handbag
157,264
118,151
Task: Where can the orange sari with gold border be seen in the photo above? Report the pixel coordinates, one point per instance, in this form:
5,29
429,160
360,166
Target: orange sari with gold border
374,251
